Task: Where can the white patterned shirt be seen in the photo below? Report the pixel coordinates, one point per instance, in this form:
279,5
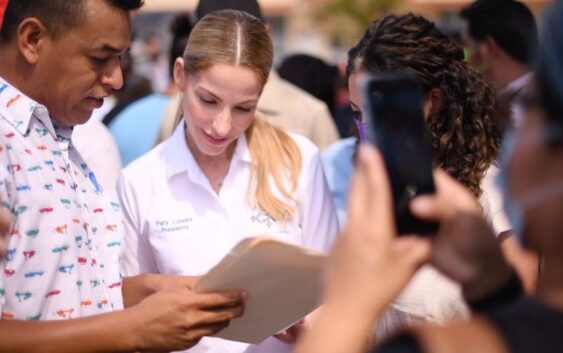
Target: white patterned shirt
66,237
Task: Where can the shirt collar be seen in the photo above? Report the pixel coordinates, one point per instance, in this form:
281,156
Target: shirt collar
18,110
178,158
518,84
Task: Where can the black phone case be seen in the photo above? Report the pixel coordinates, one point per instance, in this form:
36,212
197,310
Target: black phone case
398,130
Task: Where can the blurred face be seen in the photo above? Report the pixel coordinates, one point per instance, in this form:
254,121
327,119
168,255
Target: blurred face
475,55
530,182
219,105
81,67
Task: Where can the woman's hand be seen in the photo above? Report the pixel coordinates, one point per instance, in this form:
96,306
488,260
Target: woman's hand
291,334
136,288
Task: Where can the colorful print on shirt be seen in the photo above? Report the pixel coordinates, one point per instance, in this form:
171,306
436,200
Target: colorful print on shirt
66,236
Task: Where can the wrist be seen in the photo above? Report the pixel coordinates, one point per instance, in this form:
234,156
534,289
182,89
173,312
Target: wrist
133,334
137,288
486,283
509,290
353,308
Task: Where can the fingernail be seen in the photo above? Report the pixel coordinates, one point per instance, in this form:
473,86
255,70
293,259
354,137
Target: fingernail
419,203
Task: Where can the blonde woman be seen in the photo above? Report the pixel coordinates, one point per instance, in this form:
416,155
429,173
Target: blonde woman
225,174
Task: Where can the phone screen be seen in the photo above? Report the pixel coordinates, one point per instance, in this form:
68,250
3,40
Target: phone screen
398,129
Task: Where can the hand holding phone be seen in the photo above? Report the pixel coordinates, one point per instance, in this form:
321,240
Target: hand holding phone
396,126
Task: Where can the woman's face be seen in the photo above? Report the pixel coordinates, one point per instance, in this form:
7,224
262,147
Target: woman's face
219,105
357,104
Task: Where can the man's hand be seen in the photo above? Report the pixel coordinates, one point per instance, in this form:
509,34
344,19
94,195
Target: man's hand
135,289
178,319
465,248
370,265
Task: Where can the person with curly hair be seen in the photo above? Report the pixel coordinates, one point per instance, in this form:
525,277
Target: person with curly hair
370,264
459,110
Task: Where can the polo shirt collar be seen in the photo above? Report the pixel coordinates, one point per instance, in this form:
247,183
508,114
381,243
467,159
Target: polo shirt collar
18,110
518,84
179,159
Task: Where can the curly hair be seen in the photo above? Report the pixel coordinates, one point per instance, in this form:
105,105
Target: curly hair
465,133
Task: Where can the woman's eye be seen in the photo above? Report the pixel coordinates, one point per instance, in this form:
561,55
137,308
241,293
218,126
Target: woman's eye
244,110
357,115
207,101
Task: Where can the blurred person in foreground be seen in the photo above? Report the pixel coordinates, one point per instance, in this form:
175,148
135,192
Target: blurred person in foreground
370,265
61,287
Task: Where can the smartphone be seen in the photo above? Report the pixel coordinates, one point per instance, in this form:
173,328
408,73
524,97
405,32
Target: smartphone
395,125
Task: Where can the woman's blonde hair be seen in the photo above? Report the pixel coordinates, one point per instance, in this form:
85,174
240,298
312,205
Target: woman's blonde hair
237,38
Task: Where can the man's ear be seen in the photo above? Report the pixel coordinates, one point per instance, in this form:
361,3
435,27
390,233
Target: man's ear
31,35
489,48
180,74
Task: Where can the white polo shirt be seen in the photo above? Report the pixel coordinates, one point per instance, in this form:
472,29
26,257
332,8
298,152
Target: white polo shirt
177,224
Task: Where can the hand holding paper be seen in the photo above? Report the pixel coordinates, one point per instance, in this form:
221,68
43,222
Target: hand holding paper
283,284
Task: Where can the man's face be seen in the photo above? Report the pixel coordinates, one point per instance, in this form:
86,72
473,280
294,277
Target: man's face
473,52
82,66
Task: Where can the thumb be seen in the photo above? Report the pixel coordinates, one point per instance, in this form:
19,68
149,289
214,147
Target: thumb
414,251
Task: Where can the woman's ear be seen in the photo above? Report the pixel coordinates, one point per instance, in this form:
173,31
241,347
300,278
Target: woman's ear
434,102
180,74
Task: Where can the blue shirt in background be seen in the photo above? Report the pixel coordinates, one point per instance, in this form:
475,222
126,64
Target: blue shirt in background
136,128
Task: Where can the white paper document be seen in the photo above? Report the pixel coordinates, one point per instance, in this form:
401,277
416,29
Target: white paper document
283,282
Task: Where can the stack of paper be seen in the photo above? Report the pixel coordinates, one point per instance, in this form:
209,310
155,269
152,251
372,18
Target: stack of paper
283,282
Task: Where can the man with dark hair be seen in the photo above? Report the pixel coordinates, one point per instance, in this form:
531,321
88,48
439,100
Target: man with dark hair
60,15
60,284
501,38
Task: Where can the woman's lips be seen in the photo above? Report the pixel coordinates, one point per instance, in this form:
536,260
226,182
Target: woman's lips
215,141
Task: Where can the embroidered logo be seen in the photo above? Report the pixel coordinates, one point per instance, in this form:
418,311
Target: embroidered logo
263,218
